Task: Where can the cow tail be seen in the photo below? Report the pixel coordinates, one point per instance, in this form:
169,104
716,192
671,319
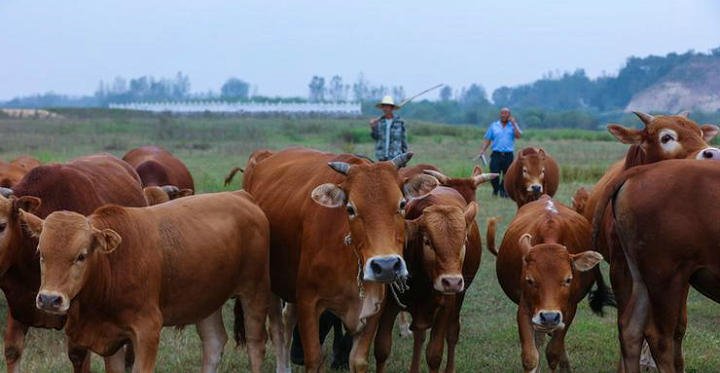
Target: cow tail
231,175
601,296
490,235
239,327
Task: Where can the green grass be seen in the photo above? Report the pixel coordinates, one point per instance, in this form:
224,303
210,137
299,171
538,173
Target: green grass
212,145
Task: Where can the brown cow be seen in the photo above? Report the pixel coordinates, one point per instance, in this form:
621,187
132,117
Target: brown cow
337,235
579,200
543,265
123,273
532,174
80,185
12,172
666,221
662,138
443,253
465,186
164,176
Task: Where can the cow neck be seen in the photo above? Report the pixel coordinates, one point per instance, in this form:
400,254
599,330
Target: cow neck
98,284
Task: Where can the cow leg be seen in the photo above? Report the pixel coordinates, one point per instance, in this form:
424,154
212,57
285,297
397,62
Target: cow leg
631,324
79,357
277,331
453,333
145,338
679,336
555,353
289,314
418,341
436,345
213,336
14,339
404,324
115,363
361,344
383,338
255,309
666,312
308,324
529,355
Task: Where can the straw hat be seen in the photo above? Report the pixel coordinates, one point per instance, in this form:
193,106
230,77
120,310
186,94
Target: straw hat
387,100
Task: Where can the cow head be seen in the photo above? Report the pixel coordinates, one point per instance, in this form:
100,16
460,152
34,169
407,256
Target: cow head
10,226
69,246
532,168
466,187
666,137
547,278
159,194
443,231
374,197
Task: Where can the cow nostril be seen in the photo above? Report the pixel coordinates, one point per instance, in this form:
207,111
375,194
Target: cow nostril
397,266
707,154
56,301
376,268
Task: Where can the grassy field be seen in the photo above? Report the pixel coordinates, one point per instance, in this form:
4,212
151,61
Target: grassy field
210,146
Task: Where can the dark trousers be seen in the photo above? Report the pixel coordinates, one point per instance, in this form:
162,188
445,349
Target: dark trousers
342,342
499,163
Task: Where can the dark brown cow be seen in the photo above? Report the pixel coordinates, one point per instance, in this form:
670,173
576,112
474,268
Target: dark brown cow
12,172
465,186
164,176
80,185
666,221
123,273
337,235
662,138
545,267
532,174
443,253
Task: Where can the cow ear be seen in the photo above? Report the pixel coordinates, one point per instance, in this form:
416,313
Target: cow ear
586,260
525,243
186,192
625,135
709,131
27,203
328,195
155,195
33,223
419,186
106,240
470,212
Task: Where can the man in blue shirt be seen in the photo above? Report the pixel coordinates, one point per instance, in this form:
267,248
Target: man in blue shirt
501,134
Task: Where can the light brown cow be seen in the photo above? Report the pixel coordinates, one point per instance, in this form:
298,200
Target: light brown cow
465,186
123,273
532,174
443,253
666,220
81,185
662,138
164,176
337,235
545,267
12,172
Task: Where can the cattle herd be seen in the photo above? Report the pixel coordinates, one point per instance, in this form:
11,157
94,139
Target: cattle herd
112,250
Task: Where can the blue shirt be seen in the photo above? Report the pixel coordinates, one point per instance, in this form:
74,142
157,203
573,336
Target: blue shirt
503,139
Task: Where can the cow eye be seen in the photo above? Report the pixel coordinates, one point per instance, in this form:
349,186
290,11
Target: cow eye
666,138
524,170
530,281
350,210
403,203
80,258
567,281
426,241
2,227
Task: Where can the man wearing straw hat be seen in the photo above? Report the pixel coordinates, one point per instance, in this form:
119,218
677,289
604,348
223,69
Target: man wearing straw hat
388,131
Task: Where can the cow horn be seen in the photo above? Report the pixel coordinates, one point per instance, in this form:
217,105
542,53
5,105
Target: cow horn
442,178
684,114
645,118
401,160
341,167
6,192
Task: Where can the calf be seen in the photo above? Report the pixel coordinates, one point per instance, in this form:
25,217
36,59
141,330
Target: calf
164,176
532,174
122,273
543,267
443,254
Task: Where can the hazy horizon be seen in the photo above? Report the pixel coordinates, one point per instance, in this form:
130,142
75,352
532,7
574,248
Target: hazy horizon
278,47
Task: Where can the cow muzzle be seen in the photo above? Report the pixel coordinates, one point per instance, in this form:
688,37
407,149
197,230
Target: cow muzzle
708,154
385,268
450,284
535,189
52,302
548,320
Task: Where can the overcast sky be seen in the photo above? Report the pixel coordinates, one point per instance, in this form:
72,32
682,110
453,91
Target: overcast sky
69,46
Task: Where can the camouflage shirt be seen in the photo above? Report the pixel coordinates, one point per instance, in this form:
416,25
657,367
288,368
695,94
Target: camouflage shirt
392,141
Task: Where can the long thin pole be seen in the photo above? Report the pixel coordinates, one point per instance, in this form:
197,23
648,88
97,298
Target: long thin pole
419,94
